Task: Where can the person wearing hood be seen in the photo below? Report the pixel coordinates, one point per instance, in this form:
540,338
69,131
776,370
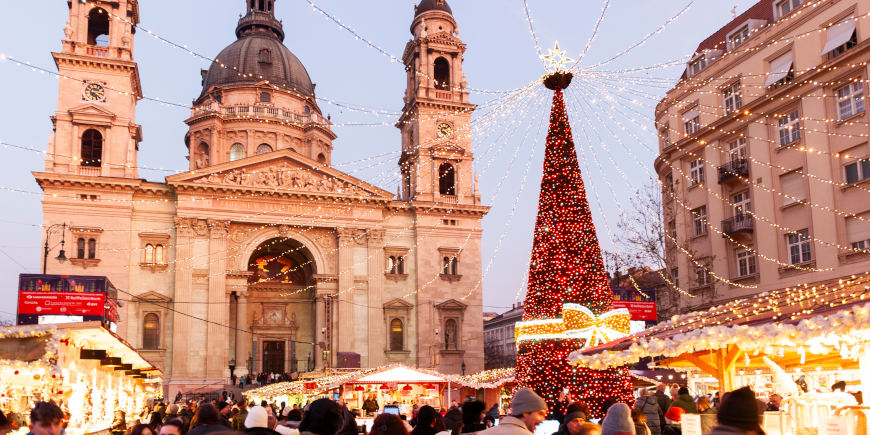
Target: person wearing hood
207,421
685,401
649,405
738,414
258,422
472,416
618,421
323,417
453,420
528,410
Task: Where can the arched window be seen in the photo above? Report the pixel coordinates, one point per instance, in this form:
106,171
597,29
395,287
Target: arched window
264,148
442,74
201,159
80,248
446,179
397,335
321,159
151,331
400,265
445,266
237,151
454,266
98,27
265,97
92,248
451,334
158,255
391,265
307,110
449,266
149,254
92,148
261,5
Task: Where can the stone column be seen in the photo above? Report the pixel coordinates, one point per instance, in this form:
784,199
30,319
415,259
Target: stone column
376,269
343,327
319,325
218,338
183,275
243,339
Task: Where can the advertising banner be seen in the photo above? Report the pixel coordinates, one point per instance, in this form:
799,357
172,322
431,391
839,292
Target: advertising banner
61,303
642,306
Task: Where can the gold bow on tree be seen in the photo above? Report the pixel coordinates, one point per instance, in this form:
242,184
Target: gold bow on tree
577,322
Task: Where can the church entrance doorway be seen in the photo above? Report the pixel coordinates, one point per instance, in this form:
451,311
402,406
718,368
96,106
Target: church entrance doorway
273,356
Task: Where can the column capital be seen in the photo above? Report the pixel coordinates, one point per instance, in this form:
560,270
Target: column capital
376,237
184,226
218,229
350,236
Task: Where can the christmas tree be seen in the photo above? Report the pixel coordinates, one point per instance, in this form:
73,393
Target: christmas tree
567,268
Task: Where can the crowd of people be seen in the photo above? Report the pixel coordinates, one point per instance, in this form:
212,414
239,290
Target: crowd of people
260,379
653,413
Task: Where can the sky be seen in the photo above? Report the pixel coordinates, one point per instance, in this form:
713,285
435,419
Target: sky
615,150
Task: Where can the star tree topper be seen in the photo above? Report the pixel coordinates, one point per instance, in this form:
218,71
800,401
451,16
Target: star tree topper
556,60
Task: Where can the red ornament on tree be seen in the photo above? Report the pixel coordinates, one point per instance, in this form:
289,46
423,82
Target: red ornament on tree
566,267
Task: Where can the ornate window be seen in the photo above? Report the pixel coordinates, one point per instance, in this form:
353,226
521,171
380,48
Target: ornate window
80,248
264,148
151,331
397,335
92,249
442,74
237,151
265,97
92,148
446,179
98,27
321,159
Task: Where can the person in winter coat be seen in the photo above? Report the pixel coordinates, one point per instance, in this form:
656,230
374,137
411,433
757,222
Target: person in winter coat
649,406
708,415
618,421
639,419
257,422
685,401
528,410
323,417
119,424
207,420
453,420
738,414
238,421
425,421
472,416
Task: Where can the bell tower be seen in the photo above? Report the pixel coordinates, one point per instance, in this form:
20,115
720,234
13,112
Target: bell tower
95,133
436,162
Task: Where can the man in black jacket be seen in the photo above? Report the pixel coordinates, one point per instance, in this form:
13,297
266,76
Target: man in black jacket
663,400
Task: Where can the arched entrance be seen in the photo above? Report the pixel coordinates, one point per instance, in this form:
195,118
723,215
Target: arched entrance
281,288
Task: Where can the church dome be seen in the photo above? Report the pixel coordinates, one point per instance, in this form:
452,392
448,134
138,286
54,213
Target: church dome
259,54
432,5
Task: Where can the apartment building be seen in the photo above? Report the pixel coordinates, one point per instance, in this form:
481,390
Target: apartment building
499,344
764,153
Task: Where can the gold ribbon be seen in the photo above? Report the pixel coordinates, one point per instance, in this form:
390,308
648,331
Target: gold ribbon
577,322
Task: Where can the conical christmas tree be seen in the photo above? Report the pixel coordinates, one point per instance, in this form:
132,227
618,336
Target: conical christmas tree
567,268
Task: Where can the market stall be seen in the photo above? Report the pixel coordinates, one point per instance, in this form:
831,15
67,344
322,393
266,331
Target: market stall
494,386
309,387
398,386
88,370
796,342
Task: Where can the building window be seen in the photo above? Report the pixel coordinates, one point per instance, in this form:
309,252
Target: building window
857,171
92,249
264,148
799,247
699,221
264,56
449,266
672,231
442,74
784,7
737,150
237,151
841,37
665,135
781,71
741,203
396,265
151,331
446,179
792,186
149,254
98,27
703,276
265,97
397,335
154,254
858,231
789,128
696,172
739,37
850,100
675,276
321,158
745,263
201,159
731,96
692,121
92,148
697,64
80,248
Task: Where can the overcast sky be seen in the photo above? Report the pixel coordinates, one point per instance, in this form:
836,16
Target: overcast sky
501,55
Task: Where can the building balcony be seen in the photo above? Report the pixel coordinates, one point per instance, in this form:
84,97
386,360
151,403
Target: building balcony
733,169
741,223
90,171
97,51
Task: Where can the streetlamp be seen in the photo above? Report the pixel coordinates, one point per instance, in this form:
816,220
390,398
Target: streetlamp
62,255
463,367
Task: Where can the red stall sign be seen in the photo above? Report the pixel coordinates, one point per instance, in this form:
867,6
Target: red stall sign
61,303
640,310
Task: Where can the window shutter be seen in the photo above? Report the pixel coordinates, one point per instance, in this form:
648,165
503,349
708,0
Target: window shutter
779,68
793,187
839,34
857,229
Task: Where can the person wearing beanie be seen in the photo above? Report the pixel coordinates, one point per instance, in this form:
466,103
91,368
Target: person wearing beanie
322,417
618,421
685,401
528,410
259,422
738,414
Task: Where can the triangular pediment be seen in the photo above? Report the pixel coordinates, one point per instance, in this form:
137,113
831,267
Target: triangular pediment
398,303
282,171
447,150
451,304
444,37
152,296
90,110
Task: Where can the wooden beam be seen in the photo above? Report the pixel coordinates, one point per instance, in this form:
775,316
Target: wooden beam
725,370
701,364
734,352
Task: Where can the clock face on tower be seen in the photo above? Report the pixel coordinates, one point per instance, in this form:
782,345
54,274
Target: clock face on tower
94,92
444,129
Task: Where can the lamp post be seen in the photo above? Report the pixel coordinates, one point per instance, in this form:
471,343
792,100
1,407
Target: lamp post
60,256
463,367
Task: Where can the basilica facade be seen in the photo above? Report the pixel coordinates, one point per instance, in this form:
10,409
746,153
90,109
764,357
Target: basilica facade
263,257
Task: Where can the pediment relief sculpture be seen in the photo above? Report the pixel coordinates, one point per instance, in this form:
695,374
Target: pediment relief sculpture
284,177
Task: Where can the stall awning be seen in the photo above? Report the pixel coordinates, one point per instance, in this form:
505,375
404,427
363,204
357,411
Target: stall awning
839,34
400,374
779,68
